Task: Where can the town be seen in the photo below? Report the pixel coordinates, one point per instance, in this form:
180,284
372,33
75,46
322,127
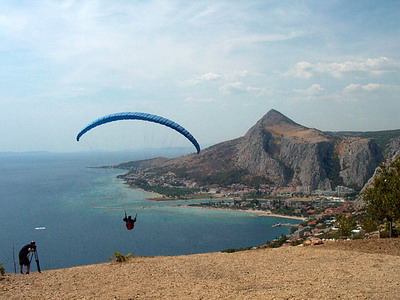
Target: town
323,218
172,186
325,214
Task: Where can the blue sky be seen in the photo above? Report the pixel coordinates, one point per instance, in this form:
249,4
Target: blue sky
215,67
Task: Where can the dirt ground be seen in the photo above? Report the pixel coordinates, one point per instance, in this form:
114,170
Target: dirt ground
379,246
361,269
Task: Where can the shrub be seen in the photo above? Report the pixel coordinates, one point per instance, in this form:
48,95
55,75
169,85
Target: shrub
232,250
2,270
277,242
118,257
386,234
297,242
358,236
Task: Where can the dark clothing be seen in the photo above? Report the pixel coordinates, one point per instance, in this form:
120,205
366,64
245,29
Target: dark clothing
25,249
129,222
24,261
23,254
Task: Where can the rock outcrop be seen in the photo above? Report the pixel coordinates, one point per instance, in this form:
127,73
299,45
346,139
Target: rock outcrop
393,148
358,160
291,154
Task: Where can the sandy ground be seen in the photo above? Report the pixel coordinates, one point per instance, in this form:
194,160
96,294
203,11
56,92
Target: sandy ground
261,213
346,270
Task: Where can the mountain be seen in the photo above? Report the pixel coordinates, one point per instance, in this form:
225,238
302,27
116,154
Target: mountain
279,151
387,139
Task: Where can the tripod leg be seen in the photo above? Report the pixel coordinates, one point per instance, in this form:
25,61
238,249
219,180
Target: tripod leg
15,266
37,262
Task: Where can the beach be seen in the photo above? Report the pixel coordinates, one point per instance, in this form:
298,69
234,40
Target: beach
261,213
359,269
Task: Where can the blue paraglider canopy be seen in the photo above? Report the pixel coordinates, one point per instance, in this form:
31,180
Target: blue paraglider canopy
140,116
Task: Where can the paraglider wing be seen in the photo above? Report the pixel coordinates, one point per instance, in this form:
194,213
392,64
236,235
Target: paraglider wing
140,116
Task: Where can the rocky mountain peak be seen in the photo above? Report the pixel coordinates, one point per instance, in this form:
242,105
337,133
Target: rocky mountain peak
285,153
274,118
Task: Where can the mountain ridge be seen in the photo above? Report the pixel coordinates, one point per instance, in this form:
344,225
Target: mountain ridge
277,150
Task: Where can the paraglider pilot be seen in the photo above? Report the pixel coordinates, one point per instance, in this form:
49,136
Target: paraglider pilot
23,256
129,222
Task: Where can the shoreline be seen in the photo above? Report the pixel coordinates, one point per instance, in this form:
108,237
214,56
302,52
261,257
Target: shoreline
151,194
161,198
260,213
120,207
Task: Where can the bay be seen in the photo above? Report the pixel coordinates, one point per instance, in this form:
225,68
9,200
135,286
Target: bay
59,193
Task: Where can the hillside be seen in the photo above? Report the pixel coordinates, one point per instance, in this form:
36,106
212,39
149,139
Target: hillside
279,151
360,269
383,138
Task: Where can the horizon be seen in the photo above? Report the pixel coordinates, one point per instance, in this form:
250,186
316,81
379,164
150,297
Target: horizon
182,149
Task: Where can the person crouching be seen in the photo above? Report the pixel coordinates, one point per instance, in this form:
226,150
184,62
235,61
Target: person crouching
23,256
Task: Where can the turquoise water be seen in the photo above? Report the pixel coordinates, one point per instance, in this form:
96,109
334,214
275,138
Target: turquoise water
59,192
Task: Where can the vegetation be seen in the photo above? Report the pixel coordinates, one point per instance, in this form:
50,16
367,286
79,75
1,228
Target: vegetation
232,250
277,242
169,191
345,225
284,210
118,257
224,178
256,181
2,270
180,172
383,196
369,224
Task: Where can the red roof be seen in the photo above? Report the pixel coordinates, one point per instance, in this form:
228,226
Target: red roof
312,222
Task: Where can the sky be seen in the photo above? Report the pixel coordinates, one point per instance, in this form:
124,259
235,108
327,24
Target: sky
214,67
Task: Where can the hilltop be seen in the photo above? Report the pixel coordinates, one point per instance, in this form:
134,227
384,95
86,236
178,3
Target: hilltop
360,269
280,152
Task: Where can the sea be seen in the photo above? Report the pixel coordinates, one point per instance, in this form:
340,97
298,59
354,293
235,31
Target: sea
74,212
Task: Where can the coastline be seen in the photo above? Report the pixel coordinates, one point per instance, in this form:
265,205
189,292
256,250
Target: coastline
260,213
120,207
161,198
152,195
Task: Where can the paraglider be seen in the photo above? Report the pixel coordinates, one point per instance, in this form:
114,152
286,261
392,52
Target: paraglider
140,116
129,222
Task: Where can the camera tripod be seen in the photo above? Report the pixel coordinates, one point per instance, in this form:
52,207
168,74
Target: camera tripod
35,254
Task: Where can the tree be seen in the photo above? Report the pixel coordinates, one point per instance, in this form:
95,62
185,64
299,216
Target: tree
383,196
345,224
